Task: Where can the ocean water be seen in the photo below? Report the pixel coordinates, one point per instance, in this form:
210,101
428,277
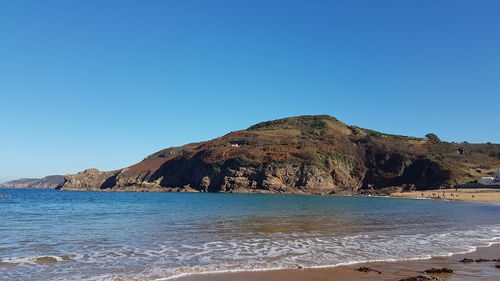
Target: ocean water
63,235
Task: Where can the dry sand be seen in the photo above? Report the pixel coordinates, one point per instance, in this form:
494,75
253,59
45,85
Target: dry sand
391,271
466,194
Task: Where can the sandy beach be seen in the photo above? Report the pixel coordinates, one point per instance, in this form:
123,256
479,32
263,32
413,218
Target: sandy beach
465,194
390,271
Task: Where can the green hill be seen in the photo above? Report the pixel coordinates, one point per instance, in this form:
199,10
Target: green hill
305,154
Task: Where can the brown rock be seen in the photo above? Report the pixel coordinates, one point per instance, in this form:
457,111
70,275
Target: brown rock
45,260
368,269
439,270
422,278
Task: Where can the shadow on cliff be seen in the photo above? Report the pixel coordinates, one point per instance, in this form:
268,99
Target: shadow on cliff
400,171
386,168
109,182
182,171
202,176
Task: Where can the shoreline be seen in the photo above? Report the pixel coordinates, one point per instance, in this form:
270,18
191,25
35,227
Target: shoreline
463,194
391,270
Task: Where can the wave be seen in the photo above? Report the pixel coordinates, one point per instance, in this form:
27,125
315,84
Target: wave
318,253
171,260
199,272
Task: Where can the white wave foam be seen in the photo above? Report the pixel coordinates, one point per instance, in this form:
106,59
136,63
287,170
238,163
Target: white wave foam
314,252
171,260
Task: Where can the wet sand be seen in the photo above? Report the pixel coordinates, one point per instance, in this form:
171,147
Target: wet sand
466,194
391,271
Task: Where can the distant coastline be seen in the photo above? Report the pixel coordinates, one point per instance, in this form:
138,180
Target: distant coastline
48,182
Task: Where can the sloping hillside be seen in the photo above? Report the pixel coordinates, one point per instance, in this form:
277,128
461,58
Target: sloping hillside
49,182
306,154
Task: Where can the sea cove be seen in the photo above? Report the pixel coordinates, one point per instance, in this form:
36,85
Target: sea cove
56,235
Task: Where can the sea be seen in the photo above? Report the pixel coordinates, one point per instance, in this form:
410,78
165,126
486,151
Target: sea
73,235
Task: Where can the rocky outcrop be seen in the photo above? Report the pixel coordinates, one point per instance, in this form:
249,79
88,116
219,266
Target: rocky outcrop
306,154
368,269
91,179
49,182
438,270
467,260
422,278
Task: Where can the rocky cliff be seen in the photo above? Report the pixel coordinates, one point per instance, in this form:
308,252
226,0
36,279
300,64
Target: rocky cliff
306,154
49,182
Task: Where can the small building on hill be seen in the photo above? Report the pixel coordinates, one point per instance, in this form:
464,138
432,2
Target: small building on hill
237,143
487,181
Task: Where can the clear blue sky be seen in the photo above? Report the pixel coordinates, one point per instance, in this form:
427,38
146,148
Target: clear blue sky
104,83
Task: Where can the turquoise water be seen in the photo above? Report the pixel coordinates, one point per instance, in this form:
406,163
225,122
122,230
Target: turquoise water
104,235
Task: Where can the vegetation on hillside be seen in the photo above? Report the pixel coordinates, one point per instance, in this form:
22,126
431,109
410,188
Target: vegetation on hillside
314,154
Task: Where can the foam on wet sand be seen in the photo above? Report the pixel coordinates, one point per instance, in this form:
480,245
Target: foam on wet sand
391,271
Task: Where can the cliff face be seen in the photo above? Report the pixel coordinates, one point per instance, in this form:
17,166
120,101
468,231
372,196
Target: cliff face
49,182
306,154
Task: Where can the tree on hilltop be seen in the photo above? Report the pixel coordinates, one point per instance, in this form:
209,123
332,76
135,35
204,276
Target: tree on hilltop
433,138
